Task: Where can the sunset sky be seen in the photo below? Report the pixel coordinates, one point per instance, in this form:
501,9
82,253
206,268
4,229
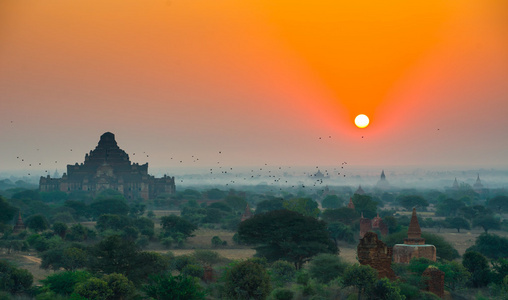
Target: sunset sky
261,81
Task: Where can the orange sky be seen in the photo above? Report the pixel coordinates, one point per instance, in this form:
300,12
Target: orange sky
260,80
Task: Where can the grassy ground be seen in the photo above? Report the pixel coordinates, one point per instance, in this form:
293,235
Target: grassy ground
26,260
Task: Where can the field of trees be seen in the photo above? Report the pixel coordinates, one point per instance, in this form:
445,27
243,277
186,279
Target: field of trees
194,245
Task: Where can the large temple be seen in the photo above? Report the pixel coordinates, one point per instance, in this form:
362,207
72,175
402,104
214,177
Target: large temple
109,167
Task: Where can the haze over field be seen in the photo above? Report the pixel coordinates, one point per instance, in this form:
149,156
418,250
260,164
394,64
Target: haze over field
193,85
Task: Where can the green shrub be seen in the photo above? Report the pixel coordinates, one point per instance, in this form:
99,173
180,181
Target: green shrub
282,272
193,270
283,294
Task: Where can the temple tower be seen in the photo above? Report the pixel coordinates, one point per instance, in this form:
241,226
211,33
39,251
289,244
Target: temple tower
351,204
382,183
414,245
247,214
20,226
360,191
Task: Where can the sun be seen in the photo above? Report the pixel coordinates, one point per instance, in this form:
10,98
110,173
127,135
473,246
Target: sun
362,121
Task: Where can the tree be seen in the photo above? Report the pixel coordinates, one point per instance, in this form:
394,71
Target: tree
471,212
109,206
79,208
341,232
216,241
455,274
121,286
332,201
246,280
362,277
109,194
60,229
269,205
500,268
391,223
478,266
287,235
167,286
491,245
27,195
326,267
364,204
498,203
37,223
137,210
174,225
114,255
236,202
94,288
63,283
384,289
7,211
458,223
282,272
112,221
304,206
215,194
343,215
74,258
410,201
14,280
222,206
487,223
207,257
449,207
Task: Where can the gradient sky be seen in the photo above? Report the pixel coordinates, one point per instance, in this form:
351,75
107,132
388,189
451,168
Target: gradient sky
262,81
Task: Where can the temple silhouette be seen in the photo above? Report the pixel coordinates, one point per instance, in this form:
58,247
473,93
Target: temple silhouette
109,167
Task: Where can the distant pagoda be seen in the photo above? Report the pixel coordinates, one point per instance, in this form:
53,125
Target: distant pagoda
382,182
109,167
360,191
20,226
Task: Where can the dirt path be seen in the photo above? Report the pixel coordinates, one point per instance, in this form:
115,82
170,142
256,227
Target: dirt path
33,259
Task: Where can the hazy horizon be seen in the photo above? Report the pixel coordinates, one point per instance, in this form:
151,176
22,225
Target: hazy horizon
251,83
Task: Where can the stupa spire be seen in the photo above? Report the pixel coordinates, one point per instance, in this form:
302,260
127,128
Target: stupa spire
414,232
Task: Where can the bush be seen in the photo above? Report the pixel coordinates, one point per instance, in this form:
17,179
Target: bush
207,257
94,288
282,272
63,283
180,262
491,246
14,280
173,287
283,294
193,270
216,241
325,267
246,280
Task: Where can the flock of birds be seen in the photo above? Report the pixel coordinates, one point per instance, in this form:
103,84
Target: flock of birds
271,175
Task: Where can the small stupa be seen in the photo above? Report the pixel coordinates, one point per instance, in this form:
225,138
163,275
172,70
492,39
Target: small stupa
20,226
360,191
247,214
414,245
351,204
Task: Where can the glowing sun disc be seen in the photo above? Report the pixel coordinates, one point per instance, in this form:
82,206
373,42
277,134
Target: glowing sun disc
361,121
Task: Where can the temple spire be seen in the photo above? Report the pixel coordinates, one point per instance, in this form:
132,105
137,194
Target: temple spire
351,204
414,232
